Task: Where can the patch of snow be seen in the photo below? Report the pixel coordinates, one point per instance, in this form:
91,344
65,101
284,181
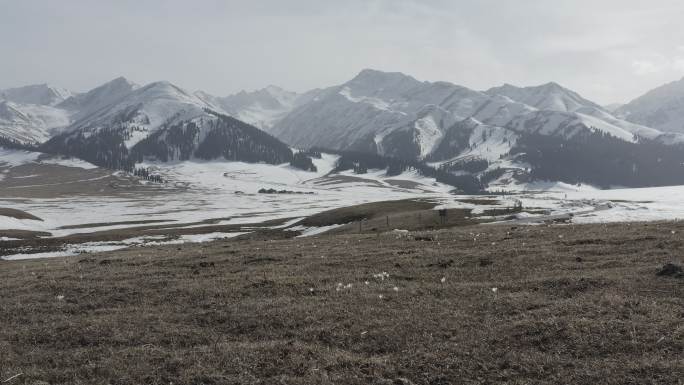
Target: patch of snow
375,102
199,238
429,135
310,231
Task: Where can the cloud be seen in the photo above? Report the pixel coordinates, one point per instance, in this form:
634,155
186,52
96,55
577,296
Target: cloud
647,67
657,64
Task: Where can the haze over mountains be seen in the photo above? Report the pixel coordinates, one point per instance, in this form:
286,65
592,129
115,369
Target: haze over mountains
501,135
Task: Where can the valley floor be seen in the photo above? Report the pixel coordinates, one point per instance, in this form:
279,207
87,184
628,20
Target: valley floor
51,206
560,304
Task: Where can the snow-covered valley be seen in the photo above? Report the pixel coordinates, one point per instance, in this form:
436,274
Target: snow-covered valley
219,193
186,166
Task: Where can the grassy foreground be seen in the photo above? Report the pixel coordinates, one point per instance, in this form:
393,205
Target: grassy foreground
469,305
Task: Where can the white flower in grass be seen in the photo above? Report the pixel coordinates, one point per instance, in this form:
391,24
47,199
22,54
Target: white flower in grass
381,296
395,288
442,280
381,276
495,289
367,283
60,297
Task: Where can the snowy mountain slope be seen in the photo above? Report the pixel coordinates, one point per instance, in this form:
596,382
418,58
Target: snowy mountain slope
261,108
163,122
551,109
30,123
89,102
550,96
105,136
142,111
661,108
214,137
418,138
43,111
471,139
565,125
361,112
40,94
499,110
384,113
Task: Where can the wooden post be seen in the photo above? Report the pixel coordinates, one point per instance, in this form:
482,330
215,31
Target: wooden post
387,218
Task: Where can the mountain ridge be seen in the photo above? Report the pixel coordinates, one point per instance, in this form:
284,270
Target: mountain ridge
389,114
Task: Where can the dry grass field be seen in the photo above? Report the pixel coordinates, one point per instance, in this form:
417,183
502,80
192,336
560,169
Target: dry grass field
486,304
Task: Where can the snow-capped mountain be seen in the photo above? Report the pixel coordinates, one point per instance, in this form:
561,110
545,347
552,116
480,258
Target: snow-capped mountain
161,121
532,132
359,114
40,94
395,114
30,123
34,114
661,108
141,112
89,102
550,96
261,108
215,136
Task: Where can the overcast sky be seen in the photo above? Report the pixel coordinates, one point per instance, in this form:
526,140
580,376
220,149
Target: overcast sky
608,50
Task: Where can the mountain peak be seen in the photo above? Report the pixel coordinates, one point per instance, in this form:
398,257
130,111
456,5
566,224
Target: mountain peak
555,87
40,94
164,88
369,75
122,80
548,96
99,97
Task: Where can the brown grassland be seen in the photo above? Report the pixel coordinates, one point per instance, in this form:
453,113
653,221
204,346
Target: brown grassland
475,304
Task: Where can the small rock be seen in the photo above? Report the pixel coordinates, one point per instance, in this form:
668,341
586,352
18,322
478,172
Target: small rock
671,270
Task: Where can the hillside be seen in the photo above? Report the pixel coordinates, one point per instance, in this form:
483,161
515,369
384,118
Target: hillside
495,304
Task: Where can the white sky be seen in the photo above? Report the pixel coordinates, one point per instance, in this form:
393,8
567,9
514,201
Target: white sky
607,50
